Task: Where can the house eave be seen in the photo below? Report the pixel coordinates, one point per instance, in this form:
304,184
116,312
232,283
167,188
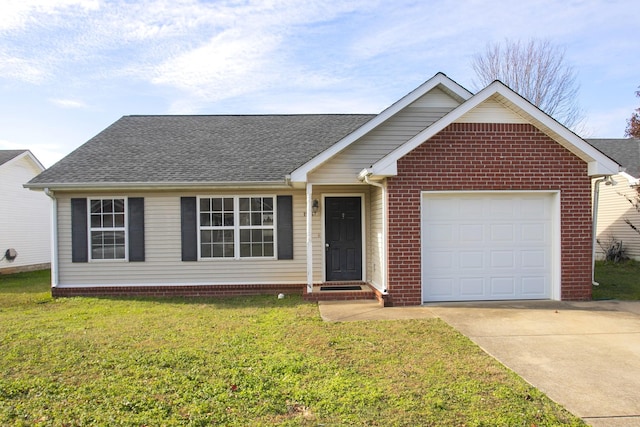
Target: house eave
119,186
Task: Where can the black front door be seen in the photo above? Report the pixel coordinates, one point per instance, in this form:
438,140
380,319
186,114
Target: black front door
343,230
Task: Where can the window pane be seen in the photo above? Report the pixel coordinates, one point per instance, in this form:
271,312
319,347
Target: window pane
267,218
228,219
267,235
267,204
245,235
228,251
119,220
256,235
205,251
217,236
256,219
228,204
245,219
107,221
205,205
228,236
107,205
118,205
256,249
216,204
96,220
244,204
268,249
245,250
205,236
96,206
216,219
256,204
205,219
218,251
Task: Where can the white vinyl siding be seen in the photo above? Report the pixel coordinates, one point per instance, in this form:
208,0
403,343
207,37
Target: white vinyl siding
163,263
25,223
376,236
612,210
491,111
345,166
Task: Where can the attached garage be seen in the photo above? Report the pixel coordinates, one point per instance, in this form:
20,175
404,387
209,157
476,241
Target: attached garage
490,246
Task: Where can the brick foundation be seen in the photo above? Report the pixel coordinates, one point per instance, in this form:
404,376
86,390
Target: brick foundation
488,156
178,291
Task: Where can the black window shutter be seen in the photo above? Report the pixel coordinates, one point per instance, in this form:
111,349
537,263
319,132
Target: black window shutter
285,227
136,229
188,227
79,241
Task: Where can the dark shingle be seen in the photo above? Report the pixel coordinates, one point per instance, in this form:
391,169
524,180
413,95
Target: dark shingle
624,151
205,149
6,155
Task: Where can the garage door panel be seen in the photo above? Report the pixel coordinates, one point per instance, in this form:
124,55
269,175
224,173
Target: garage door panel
534,286
501,250
504,287
472,287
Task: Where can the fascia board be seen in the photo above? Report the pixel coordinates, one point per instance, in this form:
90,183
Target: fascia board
598,163
300,174
160,186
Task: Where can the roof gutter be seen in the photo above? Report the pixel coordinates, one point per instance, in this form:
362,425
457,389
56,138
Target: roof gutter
156,185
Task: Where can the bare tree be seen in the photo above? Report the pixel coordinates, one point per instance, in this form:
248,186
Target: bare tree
537,70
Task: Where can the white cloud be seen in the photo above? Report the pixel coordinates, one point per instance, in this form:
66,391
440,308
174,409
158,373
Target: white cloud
68,103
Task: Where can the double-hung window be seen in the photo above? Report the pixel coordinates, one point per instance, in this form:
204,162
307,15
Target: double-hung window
236,227
107,230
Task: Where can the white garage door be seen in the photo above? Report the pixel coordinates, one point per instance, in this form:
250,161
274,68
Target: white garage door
486,246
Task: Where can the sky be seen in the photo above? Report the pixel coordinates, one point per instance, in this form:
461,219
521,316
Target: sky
70,68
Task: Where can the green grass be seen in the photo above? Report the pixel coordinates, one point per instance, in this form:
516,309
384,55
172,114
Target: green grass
617,280
255,361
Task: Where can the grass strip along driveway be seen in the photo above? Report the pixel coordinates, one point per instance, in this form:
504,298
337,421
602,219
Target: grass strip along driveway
242,361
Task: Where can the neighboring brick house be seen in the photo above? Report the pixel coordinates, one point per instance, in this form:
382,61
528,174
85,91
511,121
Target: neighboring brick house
25,216
444,196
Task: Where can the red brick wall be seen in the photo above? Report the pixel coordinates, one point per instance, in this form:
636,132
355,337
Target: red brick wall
178,291
488,156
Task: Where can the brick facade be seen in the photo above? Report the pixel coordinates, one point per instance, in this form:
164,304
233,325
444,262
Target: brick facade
488,156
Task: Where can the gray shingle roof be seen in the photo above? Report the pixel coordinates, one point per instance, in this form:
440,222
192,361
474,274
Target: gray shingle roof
6,155
201,149
624,151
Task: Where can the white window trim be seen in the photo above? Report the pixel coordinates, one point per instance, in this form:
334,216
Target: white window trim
236,227
126,229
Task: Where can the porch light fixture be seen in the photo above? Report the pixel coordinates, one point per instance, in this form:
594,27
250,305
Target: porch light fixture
315,206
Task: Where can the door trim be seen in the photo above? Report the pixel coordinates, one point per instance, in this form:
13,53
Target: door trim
362,226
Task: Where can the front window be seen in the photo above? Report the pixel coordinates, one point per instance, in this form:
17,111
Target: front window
236,227
107,231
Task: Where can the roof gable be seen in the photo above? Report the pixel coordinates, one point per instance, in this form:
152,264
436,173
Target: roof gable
10,156
598,163
440,81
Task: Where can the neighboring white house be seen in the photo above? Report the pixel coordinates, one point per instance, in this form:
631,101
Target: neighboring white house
617,203
25,225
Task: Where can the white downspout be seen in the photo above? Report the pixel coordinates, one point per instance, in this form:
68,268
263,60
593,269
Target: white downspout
384,232
596,197
54,237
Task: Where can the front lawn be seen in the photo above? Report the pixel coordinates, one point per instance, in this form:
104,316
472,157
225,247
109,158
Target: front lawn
242,361
617,280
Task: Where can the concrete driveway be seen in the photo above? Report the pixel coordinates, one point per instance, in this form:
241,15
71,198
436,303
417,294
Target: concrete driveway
585,356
